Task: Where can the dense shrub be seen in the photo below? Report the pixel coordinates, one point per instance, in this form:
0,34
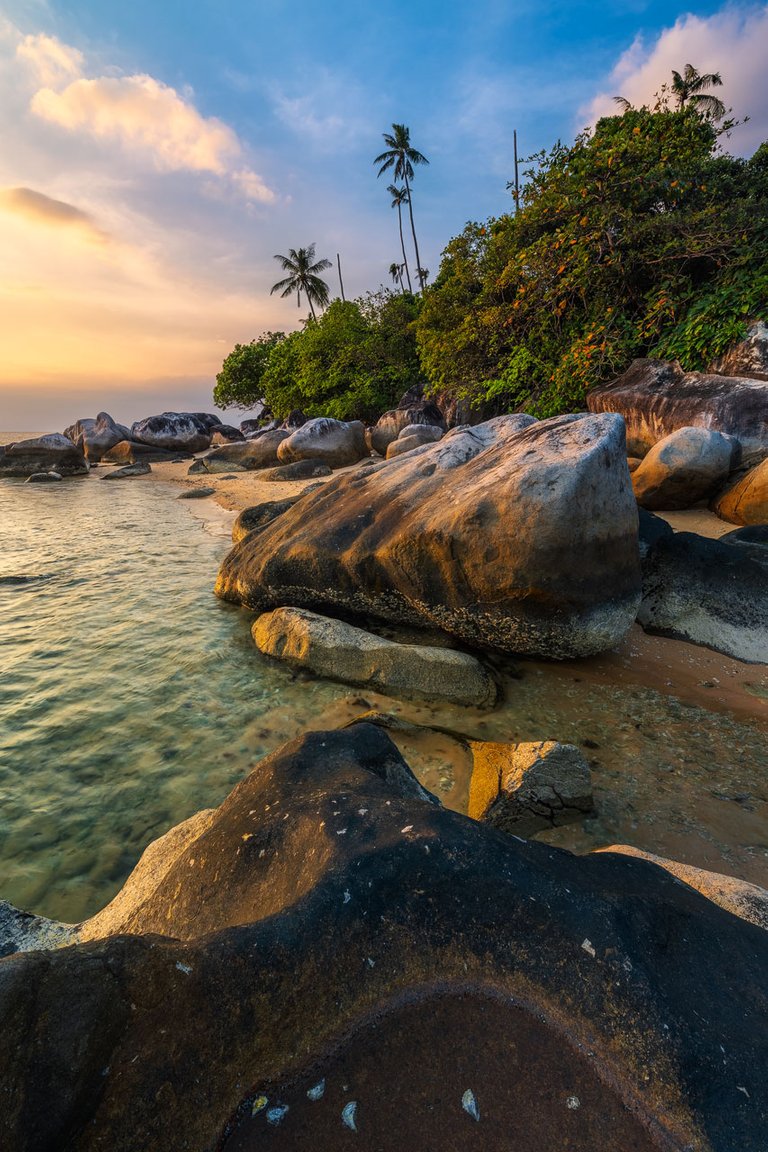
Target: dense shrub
639,239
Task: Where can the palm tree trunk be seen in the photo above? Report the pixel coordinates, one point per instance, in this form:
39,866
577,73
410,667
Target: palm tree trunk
402,245
413,230
312,310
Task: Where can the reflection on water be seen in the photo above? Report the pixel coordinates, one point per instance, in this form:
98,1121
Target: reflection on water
130,698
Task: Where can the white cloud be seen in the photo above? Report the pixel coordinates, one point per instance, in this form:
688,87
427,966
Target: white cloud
152,121
51,61
733,42
316,115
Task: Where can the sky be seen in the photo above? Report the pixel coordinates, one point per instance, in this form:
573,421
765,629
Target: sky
157,155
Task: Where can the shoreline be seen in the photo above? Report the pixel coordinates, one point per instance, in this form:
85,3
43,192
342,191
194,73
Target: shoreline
695,675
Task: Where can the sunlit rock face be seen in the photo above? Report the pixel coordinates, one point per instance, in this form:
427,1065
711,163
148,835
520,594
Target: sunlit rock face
330,936
514,535
51,453
747,358
656,397
336,443
744,500
683,468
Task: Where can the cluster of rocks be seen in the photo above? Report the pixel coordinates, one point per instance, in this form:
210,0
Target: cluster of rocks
698,437
313,980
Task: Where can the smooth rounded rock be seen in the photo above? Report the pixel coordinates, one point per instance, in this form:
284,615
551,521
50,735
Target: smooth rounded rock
682,469
339,651
50,453
332,442
745,501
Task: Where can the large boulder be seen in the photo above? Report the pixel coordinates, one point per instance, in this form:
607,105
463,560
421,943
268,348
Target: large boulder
246,455
708,592
329,948
189,431
683,468
745,500
51,453
332,442
389,426
515,535
97,436
527,788
656,397
747,358
338,651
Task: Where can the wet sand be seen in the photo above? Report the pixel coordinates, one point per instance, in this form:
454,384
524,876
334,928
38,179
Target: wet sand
676,734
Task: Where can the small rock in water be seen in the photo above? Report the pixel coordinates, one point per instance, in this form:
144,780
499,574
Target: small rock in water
469,1104
195,493
42,478
276,1115
348,1115
317,1091
259,1105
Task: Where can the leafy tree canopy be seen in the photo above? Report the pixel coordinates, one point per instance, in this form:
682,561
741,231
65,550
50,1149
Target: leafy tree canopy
639,239
353,362
239,384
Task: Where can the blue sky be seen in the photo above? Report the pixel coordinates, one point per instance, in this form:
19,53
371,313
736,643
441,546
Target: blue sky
188,143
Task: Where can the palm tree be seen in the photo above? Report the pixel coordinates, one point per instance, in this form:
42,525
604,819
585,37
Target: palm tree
399,197
401,157
396,272
689,89
303,269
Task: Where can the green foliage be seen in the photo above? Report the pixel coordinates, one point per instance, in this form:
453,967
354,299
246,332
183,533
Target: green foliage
353,362
639,239
239,384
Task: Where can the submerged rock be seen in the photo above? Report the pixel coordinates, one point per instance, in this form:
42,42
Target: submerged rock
338,651
682,469
514,535
326,924
656,398
526,788
709,592
196,494
43,478
50,453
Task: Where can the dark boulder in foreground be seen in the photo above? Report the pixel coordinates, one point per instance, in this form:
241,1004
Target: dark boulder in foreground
51,453
656,397
329,960
514,535
188,431
709,592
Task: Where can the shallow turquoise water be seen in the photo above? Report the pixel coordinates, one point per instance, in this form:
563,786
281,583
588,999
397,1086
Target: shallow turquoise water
130,697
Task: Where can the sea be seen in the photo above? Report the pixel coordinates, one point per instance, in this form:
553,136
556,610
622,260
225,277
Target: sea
131,697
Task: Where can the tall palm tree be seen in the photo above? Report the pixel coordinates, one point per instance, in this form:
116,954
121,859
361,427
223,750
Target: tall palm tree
401,157
689,89
399,197
303,277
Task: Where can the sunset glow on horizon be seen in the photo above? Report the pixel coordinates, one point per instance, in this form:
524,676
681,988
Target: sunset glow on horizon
152,170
